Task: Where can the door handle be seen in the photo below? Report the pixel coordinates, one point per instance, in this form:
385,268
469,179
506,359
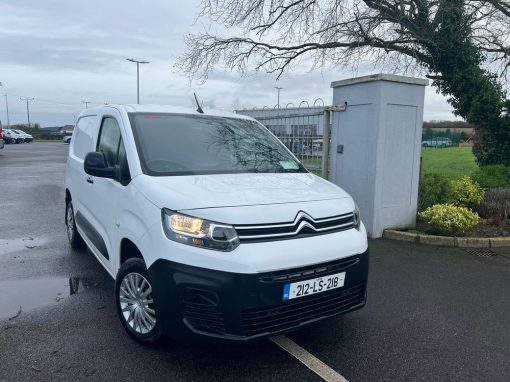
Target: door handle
90,180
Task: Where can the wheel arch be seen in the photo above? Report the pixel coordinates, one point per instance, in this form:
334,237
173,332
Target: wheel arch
128,250
68,199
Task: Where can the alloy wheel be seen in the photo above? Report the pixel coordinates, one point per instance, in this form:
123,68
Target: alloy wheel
136,303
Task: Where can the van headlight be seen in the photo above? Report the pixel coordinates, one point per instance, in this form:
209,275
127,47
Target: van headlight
357,217
198,232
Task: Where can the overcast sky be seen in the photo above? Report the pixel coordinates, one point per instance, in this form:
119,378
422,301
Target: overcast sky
64,52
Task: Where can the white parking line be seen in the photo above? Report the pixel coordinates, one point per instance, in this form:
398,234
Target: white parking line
307,359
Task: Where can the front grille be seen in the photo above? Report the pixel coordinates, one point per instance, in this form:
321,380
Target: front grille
316,270
201,311
293,313
302,226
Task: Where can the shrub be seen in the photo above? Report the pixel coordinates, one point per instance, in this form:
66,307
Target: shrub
496,205
450,219
465,192
434,189
492,176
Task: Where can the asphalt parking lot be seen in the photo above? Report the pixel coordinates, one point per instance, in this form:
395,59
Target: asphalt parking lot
433,314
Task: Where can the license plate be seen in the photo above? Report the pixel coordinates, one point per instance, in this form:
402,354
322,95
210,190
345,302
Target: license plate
312,286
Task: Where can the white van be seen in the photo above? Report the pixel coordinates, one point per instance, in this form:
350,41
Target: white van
209,225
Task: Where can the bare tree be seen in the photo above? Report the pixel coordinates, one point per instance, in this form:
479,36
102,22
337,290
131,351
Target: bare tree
463,45
401,34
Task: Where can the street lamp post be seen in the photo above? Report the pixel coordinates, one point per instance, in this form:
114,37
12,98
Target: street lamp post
86,104
138,62
28,111
7,109
278,88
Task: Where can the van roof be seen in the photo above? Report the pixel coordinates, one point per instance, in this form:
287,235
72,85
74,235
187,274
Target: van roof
152,108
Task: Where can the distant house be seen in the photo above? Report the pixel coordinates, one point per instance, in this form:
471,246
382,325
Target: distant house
51,128
65,130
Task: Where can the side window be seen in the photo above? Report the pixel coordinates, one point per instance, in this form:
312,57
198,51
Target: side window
83,140
110,143
125,175
109,139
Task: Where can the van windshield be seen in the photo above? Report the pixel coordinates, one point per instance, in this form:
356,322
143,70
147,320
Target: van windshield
176,144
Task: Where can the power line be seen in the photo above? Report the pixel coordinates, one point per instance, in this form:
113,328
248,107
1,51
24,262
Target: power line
47,100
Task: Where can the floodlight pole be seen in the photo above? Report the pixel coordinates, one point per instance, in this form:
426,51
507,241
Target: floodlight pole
138,62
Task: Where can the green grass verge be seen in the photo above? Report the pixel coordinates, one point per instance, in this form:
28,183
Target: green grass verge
454,162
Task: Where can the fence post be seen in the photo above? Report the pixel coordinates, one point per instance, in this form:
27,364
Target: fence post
326,143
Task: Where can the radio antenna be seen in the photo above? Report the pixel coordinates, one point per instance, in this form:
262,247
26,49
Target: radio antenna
199,108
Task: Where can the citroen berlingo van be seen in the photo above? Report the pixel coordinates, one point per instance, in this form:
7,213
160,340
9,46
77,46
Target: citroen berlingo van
209,225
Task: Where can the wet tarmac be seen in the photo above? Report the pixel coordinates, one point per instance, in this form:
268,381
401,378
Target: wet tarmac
23,295
433,314
15,245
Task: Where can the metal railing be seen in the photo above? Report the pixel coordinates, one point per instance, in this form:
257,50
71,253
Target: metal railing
301,129
440,139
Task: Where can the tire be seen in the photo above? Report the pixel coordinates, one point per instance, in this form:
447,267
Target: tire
75,240
135,306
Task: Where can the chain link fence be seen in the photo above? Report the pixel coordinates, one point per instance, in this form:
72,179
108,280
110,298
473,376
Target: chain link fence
441,139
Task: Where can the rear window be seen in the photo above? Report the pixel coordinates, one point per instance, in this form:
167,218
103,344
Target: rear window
174,144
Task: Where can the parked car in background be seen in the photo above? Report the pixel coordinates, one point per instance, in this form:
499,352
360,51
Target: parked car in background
437,142
1,137
10,136
27,138
317,145
67,139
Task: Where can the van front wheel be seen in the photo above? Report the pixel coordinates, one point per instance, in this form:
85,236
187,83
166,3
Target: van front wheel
135,304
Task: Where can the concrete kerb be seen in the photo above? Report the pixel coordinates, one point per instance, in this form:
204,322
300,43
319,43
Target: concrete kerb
446,241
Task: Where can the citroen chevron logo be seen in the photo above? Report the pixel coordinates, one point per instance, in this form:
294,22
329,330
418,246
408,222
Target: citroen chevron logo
301,221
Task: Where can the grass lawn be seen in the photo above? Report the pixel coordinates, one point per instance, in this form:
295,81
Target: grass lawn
454,162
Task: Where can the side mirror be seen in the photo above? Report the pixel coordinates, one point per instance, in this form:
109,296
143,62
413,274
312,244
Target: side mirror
95,165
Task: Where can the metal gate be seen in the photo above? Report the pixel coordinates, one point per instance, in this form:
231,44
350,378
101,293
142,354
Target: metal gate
304,130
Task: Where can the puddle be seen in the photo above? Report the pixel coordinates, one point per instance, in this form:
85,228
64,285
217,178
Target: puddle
14,245
18,296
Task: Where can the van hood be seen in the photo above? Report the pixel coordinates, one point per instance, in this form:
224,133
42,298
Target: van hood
231,190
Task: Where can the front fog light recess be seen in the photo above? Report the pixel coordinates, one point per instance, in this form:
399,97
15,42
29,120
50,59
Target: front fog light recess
198,232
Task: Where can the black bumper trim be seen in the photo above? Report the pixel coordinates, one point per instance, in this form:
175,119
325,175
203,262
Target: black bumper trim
195,303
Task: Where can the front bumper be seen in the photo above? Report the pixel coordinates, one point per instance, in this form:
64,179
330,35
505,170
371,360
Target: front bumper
195,302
